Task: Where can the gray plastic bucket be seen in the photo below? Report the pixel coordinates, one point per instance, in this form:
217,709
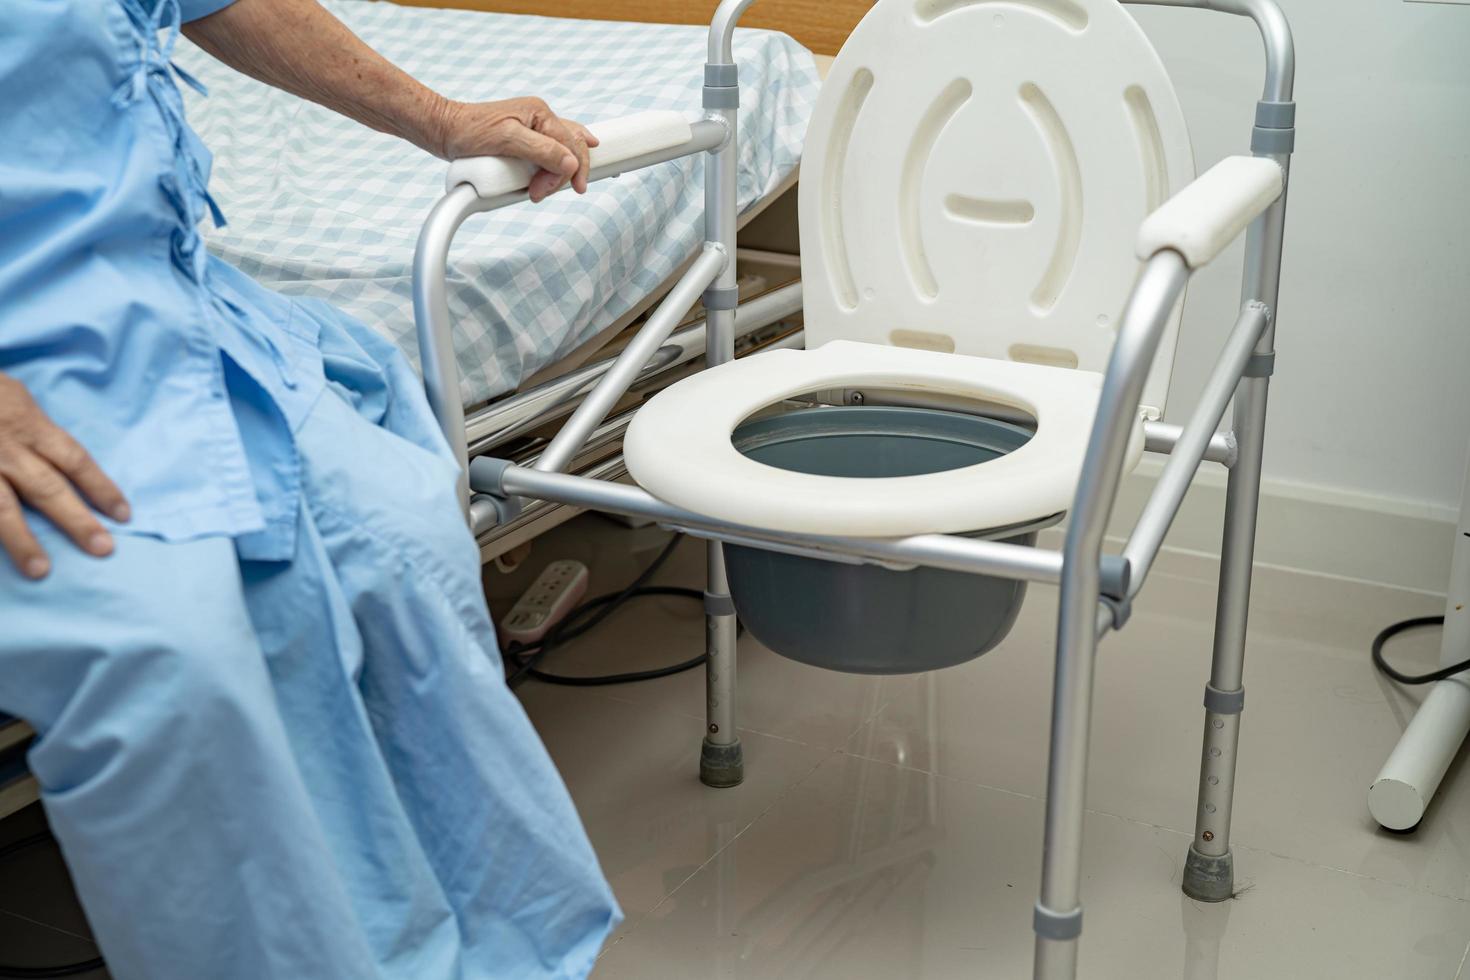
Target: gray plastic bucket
863,618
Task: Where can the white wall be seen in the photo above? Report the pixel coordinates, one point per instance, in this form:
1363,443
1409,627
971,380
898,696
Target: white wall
1371,401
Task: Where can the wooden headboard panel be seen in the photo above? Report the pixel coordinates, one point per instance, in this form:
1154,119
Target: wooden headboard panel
821,25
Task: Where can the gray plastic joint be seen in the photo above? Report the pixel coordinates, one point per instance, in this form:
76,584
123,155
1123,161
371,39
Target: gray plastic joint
1260,366
1269,115
1275,129
1270,141
721,76
722,96
487,478
1057,925
487,475
1122,610
1224,702
722,297
1115,576
507,509
718,605
721,86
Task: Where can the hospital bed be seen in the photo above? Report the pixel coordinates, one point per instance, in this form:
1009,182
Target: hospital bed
1000,214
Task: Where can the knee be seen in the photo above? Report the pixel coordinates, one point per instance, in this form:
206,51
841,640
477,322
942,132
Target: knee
154,705
187,661
178,664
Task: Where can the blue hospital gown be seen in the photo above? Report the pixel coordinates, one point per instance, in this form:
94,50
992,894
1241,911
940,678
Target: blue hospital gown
273,735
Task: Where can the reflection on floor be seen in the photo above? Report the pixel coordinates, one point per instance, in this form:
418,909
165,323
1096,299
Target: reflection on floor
41,923
891,827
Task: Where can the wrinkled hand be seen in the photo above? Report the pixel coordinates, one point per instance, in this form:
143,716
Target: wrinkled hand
45,468
526,129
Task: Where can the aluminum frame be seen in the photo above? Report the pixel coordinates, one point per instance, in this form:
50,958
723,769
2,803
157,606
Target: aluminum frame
1096,589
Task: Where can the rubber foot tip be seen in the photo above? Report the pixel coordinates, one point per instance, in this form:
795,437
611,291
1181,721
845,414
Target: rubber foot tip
721,766
1208,878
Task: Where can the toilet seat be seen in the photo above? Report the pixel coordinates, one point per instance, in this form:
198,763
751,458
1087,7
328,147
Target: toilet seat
678,446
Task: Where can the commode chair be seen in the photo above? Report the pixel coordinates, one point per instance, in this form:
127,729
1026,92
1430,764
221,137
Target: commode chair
999,216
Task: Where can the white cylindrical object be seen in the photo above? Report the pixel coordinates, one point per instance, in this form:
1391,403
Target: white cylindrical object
1402,791
1398,797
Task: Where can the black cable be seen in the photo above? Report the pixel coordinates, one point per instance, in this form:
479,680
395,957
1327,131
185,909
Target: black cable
42,972
526,659
572,680
1389,632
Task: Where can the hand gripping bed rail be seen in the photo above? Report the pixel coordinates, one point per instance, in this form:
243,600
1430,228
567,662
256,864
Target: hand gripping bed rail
620,142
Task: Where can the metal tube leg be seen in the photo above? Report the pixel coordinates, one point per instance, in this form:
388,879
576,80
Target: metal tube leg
1209,868
1058,915
721,760
1058,918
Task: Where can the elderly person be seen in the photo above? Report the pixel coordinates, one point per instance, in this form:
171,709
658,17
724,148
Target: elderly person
241,608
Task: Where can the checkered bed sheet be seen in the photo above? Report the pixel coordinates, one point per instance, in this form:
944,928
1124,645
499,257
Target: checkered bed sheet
320,206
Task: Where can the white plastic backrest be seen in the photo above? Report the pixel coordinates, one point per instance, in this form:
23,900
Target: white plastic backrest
618,140
975,174
1205,216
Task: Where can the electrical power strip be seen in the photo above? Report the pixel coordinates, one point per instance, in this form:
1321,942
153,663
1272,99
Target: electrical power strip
554,594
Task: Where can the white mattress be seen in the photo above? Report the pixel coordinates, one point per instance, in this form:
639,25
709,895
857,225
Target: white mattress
320,206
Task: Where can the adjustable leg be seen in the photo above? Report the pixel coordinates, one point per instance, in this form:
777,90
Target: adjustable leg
721,762
1209,868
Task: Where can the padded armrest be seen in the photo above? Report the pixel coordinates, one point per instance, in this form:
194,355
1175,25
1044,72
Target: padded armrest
1204,217
618,140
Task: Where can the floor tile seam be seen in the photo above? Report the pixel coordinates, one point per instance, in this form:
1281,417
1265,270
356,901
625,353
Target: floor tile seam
947,777
586,691
789,739
1176,831
721,849
48,926
865,721
1411,889
1293,858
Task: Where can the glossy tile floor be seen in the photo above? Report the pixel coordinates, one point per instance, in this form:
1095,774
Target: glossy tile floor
891,827
41,924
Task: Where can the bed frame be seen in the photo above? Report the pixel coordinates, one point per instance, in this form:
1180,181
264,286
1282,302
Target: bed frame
821,25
